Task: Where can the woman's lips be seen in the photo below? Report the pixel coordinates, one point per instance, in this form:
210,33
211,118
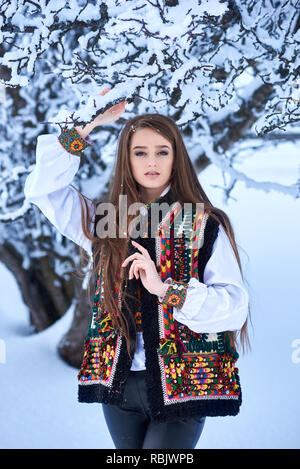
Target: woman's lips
152,175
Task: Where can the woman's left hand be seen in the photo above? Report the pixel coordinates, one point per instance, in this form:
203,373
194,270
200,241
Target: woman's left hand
144,267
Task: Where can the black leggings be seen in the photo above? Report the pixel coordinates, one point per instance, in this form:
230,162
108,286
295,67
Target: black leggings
130,425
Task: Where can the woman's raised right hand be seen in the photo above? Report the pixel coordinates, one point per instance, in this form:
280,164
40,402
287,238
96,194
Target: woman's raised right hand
110,115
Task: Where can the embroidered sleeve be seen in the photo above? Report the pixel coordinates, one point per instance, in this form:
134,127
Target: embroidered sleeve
48,186
73,142
175,294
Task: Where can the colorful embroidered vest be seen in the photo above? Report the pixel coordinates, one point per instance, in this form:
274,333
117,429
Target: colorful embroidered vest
188,373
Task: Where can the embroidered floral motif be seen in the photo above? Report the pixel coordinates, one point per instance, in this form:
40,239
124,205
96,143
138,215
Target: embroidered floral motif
72,141
97,360
175,295
207,375
101,342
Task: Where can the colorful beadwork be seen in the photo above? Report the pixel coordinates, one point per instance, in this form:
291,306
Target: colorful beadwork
138,314
72,141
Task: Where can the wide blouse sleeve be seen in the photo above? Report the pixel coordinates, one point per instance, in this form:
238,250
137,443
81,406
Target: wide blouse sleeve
48,185
218,304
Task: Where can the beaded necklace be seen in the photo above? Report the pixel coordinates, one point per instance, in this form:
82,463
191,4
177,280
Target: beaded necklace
148,204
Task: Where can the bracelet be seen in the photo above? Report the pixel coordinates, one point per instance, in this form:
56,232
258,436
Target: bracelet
73,142
175,294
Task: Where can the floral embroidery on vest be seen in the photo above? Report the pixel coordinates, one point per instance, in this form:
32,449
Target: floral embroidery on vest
193,366
102,343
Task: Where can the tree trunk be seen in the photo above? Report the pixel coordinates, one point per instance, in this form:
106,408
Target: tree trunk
71,346
48,297
45,294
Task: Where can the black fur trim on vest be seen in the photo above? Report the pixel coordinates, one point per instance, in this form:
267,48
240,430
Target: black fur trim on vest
210,235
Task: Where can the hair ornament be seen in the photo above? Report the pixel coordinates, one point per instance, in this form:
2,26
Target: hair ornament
132,127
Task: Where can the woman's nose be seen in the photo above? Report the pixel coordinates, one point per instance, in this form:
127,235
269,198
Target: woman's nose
151,160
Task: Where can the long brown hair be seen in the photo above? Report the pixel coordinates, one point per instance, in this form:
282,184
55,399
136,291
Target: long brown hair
186,187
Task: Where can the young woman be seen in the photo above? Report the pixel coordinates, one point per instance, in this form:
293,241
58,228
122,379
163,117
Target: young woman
169,299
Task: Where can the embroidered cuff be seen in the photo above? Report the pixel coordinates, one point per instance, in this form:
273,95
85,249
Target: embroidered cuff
73,142
175,295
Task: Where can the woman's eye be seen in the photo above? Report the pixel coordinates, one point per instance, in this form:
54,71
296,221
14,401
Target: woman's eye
139,153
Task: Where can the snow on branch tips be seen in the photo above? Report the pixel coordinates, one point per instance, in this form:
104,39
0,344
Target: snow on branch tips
224,70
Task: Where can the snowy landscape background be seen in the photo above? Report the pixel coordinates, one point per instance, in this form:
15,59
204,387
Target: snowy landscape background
38,405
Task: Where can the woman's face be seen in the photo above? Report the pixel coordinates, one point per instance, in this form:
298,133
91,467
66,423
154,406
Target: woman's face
151,152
